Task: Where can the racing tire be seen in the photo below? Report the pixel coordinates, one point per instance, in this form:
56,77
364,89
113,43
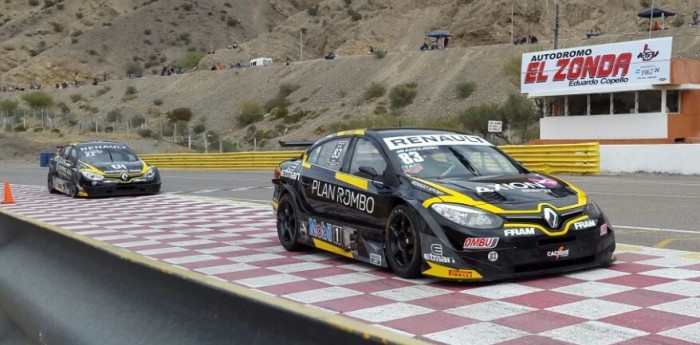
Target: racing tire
73,188
288,224
402,239
50,185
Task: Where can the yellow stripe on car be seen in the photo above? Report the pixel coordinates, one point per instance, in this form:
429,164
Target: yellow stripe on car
352,180
439,271
331,248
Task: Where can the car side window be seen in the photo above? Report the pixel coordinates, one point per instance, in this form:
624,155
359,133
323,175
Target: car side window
73,154
332,154
367,154
63,152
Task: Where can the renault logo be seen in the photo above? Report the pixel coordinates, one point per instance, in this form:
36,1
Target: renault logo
125,177
551,217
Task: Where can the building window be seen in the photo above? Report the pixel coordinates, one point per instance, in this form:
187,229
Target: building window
673,101
623,103
578,105
600,104
650,101
555,106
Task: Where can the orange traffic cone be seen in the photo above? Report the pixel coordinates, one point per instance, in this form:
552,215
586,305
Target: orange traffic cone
8,195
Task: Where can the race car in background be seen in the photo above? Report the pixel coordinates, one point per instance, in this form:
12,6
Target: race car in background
101,168
436,203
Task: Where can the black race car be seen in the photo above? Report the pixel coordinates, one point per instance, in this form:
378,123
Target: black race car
101,168
436,203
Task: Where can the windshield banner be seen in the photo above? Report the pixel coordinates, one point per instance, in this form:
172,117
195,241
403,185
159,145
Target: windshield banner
592,68
408,141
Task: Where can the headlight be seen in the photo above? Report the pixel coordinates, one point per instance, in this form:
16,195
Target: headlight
592,210
92,176
150,174
468,216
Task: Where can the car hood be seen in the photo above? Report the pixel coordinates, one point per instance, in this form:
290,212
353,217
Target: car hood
510,189
119,167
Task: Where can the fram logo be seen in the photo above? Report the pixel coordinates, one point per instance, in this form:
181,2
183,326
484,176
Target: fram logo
647,54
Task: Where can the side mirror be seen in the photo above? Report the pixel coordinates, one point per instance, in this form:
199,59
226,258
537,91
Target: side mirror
368,170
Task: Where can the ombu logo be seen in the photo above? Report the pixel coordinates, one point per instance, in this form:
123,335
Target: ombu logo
561,252
647,54
480,242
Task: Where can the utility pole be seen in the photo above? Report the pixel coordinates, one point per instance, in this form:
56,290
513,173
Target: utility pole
511,22
556,27
301,46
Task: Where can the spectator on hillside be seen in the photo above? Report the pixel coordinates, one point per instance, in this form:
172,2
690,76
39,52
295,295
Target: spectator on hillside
657,26
593,32
696,18
447,40
532,39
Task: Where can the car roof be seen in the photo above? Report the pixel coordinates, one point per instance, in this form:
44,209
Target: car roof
97,142
392,132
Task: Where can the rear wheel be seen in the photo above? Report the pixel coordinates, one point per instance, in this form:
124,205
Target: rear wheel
403,251
287,224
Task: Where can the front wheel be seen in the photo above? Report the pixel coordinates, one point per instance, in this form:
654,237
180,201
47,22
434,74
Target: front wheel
403,251
287,224
73,188
50,185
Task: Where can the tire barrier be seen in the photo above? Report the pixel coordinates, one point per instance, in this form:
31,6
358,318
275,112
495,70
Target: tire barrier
63,288
571,158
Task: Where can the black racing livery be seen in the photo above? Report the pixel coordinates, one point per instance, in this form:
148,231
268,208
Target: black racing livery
101,168
436,203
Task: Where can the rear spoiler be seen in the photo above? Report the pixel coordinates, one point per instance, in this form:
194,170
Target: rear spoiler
297,143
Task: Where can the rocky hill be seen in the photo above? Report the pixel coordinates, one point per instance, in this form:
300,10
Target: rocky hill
52,41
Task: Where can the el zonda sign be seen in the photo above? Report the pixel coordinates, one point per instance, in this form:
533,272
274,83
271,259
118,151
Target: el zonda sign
586,68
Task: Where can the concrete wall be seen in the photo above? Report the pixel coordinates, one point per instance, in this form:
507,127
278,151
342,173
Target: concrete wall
671,159
621,126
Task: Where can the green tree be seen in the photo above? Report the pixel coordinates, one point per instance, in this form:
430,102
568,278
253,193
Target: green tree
519,114
8,106
180,114
38,100
402,95
114,116
192,59
512,70
475,119
465,89
250,112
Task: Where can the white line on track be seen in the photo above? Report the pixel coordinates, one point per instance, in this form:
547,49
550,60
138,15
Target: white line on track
697,232
648,195
623,182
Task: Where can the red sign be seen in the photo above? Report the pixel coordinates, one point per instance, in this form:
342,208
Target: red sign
480,242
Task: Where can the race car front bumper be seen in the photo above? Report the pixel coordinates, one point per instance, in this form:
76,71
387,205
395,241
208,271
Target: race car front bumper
104,190
520,257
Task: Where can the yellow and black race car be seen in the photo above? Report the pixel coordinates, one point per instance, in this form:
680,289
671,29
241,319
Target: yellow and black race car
101,168
436,203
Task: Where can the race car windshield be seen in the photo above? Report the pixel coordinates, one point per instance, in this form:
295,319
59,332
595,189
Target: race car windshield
454,161
107,155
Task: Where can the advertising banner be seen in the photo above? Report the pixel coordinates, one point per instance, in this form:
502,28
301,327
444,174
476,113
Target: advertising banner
596,68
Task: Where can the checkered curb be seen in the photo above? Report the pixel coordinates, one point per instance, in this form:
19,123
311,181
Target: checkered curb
650,296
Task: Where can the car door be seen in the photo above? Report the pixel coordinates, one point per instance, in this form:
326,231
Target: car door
318,182
64,163
365,200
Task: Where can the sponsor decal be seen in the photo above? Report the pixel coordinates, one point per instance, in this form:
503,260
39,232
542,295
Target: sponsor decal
603,229
407,141
326,231
596,66
493,256
480,242
584,224
412,168
463,274
519,232
551,217
303,230
510,186
425,187
290,174
102,147
375,259
337,154
436,255
561,252
343,196
547,182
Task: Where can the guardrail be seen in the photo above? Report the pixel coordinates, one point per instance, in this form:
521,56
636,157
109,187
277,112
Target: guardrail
569,158
220,161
